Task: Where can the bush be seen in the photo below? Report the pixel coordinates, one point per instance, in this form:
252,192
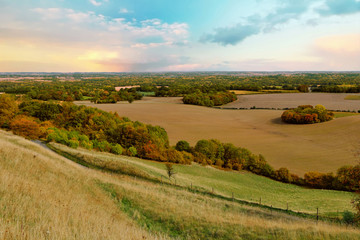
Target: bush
283,175
102,146
132,151
348,217
174,156
117,149
73,143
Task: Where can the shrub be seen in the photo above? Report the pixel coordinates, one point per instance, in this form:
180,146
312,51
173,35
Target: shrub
174,156
102,146
348,217
117,149
132,151
283,175
73,143
188,157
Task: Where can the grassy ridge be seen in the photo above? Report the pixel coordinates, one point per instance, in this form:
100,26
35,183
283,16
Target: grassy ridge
243,185
49,197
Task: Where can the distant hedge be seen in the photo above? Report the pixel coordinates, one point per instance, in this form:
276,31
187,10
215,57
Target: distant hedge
307,114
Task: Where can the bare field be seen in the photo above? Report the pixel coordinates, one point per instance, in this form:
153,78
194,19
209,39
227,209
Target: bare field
332,101
301,148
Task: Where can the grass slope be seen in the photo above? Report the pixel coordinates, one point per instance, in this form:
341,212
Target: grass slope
44,196
244,185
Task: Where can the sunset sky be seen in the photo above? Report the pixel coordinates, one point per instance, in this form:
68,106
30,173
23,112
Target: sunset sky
174,35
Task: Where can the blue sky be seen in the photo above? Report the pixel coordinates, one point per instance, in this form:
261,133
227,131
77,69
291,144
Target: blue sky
187,35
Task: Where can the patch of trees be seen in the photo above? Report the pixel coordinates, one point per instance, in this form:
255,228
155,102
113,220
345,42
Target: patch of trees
209,99
83,126
129,95
307,114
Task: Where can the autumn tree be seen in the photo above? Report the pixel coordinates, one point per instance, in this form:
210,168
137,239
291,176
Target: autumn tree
170,170
8,109
25,126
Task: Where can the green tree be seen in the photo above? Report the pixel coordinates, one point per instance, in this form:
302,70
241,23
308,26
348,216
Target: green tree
182,146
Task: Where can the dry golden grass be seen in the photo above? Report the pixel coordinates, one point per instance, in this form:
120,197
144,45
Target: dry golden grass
301,148
44,196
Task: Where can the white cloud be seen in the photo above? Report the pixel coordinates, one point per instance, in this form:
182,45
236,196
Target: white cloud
124,10
97,3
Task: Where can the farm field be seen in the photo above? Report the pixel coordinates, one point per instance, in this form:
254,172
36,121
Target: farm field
332,101
301,148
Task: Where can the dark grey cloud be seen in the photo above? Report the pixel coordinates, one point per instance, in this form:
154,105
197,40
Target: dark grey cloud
231,35
340,7
290,9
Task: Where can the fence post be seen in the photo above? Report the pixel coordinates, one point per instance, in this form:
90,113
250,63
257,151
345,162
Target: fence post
317,214
260,201
212,190
232,196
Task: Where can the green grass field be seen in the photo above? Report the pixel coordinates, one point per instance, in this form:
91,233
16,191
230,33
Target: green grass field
352,97
244,185
344,114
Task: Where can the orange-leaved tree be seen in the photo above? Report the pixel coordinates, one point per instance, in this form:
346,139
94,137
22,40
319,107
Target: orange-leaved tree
25,126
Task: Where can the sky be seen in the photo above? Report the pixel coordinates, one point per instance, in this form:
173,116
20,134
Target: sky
174,35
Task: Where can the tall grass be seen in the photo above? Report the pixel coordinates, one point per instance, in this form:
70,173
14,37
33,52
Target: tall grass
42,196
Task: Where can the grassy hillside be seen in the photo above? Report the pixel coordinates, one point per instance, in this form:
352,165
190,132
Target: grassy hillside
44,196
244,185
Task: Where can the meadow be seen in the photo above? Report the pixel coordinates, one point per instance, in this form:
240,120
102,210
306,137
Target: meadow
102,205
301,148
242,185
